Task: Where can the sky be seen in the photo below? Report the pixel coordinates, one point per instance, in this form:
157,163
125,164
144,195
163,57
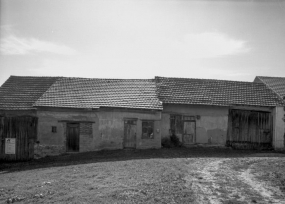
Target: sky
134,39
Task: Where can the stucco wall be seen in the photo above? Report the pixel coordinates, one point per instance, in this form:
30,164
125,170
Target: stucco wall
107,129
211,127
278,128
111,130
53,143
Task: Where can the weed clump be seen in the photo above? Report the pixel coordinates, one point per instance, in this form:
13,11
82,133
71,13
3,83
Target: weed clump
175,140
172,141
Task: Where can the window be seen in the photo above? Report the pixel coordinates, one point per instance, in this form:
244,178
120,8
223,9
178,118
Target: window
147,129
53,129
176,125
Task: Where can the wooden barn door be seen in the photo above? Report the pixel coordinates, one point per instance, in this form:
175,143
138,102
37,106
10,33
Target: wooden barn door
250,129
72,137
130,133
17,137
189,132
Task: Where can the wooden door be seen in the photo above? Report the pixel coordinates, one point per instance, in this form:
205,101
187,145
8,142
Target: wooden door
130,133
17,137
250,129
72,137
189,133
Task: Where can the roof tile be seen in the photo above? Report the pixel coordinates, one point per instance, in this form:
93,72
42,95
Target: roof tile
96,93
214,92
20,92
277,84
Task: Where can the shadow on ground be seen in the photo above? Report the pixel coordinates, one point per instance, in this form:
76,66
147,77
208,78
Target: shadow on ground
124,155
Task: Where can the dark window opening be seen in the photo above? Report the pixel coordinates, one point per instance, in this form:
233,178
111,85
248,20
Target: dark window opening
53,129
147,129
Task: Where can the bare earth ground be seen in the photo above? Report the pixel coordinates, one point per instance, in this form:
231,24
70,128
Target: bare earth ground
182,175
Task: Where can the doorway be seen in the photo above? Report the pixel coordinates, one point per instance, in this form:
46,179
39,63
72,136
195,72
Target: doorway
130,133
189,133
72,139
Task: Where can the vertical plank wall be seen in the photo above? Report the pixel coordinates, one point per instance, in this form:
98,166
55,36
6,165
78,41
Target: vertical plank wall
249,129
24,129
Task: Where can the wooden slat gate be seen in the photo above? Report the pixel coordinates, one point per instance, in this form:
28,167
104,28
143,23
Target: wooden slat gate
249,129
24,130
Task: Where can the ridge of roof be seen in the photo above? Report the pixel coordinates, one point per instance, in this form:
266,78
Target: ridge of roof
110,79
87,78
36,76
273,77
200,79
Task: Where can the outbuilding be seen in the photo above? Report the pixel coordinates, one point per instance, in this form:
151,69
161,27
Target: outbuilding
79,114
219,112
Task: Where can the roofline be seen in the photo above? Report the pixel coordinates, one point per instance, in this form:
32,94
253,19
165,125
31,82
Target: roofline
17,109
37,76
92,109
202,79
229,105
271,77
63,77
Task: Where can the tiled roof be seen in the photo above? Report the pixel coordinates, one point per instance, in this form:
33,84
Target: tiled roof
214,92
95,93
277,84
19,93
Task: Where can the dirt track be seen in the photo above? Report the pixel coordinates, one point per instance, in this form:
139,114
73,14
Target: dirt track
233,180
150,176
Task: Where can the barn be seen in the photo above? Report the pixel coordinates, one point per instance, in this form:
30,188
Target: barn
42,116
18,117
242,115
78,114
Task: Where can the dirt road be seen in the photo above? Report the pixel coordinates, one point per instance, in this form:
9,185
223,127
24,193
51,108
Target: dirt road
236,180
200,176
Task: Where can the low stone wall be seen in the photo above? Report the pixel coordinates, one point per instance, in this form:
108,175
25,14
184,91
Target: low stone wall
47,150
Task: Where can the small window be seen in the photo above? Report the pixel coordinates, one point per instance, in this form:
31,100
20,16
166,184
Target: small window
53,129
147,129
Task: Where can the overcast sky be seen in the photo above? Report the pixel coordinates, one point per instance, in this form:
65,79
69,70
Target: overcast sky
232,40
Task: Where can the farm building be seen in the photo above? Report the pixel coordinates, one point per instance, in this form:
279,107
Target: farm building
18,117
276,84
237,114
52,115
77,115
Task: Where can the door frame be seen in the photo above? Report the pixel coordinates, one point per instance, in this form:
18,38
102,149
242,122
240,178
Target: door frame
135,120
189,120
67,136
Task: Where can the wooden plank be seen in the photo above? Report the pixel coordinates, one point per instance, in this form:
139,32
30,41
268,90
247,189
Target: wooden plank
249,129
21,128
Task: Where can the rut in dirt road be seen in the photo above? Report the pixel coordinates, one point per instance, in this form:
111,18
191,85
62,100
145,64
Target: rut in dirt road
218,180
